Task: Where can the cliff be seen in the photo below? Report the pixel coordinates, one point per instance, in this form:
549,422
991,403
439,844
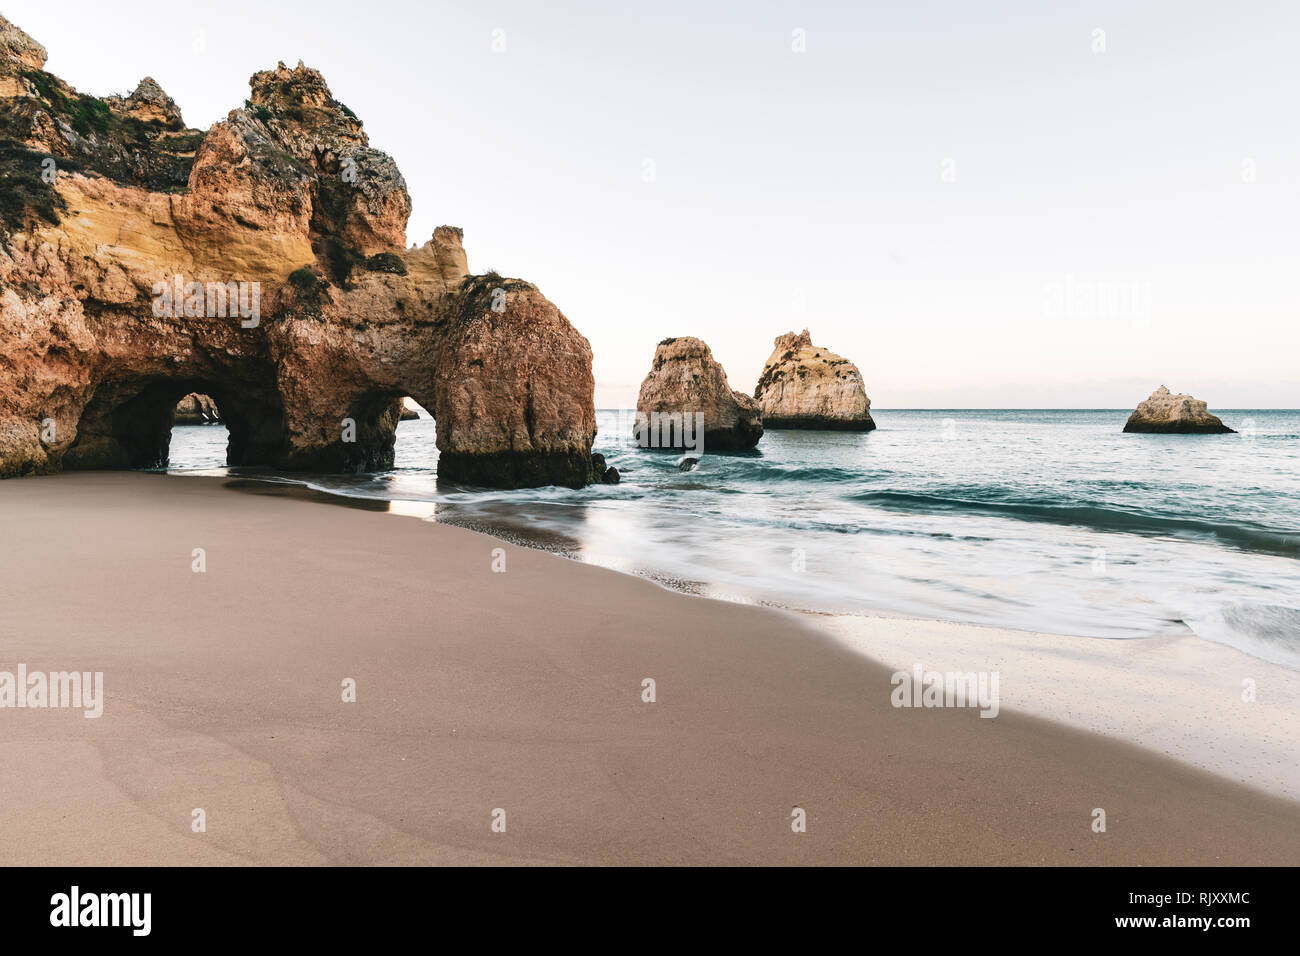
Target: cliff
264,263
803,386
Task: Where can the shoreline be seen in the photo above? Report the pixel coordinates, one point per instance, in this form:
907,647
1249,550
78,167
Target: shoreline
479,690
559,545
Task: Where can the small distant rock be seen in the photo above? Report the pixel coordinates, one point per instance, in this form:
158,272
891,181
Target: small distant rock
687,464
196,409
603,473
1169,414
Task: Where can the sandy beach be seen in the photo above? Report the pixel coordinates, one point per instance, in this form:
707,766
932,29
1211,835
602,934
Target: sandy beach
479,691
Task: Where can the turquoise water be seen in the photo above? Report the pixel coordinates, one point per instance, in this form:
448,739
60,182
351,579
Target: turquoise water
1040,520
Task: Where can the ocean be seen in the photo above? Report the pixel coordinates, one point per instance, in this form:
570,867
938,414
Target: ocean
1040,520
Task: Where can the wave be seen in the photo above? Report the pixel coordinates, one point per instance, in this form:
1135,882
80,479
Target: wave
1244,537
749,471
1268,631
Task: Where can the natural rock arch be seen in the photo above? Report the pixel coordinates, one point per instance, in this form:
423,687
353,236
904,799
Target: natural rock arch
128,424
264,263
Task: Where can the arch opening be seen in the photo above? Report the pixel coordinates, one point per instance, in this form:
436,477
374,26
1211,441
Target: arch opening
128,424
417,438
199,434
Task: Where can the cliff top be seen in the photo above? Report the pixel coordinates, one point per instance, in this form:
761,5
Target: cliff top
790,341
17,49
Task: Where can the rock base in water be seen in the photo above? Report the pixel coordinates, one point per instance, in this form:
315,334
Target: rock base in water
1175,428
820,423
507,469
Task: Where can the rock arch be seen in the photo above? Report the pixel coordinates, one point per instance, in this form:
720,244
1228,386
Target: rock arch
264,263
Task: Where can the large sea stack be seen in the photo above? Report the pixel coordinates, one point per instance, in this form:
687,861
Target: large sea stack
803,386
1169,414
684,380
262,263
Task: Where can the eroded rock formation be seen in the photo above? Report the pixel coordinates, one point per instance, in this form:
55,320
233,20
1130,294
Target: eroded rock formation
685,381
1166,413
803,386
196,409
262,263
19,51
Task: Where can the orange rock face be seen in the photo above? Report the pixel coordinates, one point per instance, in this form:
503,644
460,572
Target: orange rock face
805,386
685,397
262,263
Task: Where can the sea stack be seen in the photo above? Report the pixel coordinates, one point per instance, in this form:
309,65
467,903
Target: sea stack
196,409
1168,414
803,386
685,380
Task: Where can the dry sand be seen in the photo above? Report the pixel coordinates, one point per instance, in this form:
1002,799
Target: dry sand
519,690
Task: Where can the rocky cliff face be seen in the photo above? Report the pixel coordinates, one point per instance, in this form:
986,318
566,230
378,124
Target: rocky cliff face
1167,413
803,386
686,381
263,263
19,49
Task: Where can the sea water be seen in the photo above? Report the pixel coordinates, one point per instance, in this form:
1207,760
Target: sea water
1046,520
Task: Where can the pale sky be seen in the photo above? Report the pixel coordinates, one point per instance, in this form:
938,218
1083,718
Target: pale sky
976,203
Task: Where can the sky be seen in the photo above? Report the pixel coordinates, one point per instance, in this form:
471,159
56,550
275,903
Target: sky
1004,204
